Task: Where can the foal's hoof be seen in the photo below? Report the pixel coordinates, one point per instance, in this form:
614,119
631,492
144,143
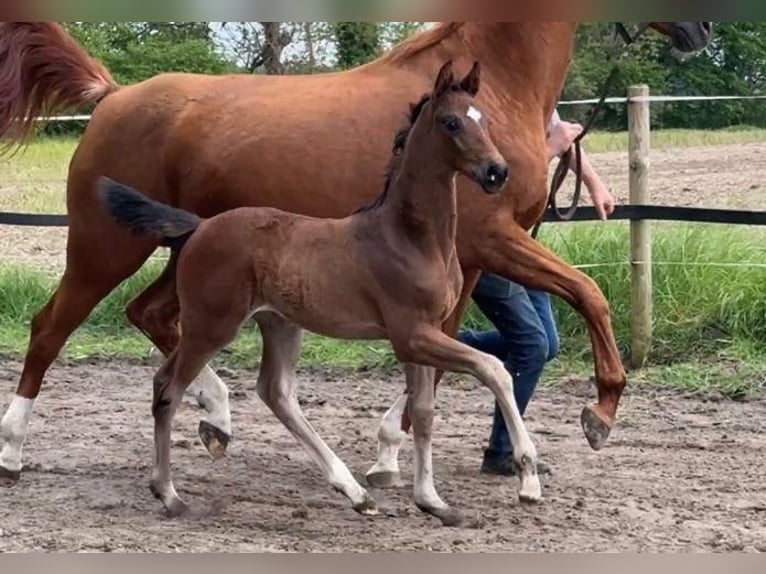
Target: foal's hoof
530,497
450,517
384,480
9,477
595,427
215,440
368,507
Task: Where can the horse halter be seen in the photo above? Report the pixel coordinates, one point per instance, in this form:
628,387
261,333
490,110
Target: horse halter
562,170
622,31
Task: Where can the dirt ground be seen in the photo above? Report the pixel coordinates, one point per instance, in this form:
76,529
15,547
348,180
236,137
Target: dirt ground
680,473
717,176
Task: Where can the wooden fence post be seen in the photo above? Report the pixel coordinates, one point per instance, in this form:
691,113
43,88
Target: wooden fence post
640,231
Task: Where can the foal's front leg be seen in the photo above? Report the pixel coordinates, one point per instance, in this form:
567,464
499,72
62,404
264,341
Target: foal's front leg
427,345
396,423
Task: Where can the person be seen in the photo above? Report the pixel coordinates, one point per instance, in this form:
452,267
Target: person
525,337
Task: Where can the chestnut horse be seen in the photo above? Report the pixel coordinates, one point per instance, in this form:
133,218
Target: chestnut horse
305,144
389,271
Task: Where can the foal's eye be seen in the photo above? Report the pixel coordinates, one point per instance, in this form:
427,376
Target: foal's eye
452,124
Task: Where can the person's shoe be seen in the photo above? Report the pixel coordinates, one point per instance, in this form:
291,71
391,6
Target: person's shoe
502,465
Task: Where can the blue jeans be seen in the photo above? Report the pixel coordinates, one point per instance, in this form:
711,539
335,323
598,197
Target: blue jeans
525,339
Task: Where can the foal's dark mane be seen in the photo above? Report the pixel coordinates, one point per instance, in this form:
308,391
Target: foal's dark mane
400,144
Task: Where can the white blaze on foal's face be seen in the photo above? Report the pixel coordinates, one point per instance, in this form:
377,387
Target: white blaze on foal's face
474,114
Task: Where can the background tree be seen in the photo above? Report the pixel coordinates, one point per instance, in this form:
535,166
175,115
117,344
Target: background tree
258,46
391,33
357,42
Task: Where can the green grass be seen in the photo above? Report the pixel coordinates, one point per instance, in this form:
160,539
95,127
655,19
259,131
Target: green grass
700,308
35,176
709,321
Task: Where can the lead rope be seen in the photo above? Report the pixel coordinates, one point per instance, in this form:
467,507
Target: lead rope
562,170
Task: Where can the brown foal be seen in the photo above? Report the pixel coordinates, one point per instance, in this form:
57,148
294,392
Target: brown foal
388,271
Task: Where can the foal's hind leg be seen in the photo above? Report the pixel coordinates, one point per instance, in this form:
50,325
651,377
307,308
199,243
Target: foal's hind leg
155,313
94,268
170,384
276,383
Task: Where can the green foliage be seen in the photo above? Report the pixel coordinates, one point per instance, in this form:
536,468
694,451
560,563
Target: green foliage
732,65
357,43
393,33
136,51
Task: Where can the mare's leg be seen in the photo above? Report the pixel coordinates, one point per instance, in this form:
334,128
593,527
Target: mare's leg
508,251
420,381
429,346
98,259
155,313
276,384
396,422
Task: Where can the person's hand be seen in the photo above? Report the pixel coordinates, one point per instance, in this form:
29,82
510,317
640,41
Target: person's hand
562,137
602,199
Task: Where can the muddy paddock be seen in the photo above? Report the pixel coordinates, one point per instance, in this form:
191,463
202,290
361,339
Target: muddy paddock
681,473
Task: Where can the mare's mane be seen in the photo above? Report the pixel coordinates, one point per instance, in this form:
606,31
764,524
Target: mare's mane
421,42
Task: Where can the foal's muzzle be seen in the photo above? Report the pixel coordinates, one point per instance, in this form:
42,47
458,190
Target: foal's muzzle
493,177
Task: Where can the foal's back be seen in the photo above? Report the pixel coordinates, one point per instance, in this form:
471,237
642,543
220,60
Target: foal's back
306,269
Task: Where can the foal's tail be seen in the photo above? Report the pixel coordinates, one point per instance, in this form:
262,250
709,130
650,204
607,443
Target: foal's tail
144,216
43,70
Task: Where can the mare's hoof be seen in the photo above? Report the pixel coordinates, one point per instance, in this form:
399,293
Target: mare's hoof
384,480
215,440
595,427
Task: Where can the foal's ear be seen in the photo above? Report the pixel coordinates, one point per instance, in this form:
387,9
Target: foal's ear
472,81
444,80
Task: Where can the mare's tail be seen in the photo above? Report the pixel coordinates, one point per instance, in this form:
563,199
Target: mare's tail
144,216
43,70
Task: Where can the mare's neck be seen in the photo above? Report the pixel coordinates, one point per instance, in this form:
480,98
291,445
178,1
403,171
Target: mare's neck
422,199
524,64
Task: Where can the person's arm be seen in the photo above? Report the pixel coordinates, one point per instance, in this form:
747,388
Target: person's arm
602,198
561,135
